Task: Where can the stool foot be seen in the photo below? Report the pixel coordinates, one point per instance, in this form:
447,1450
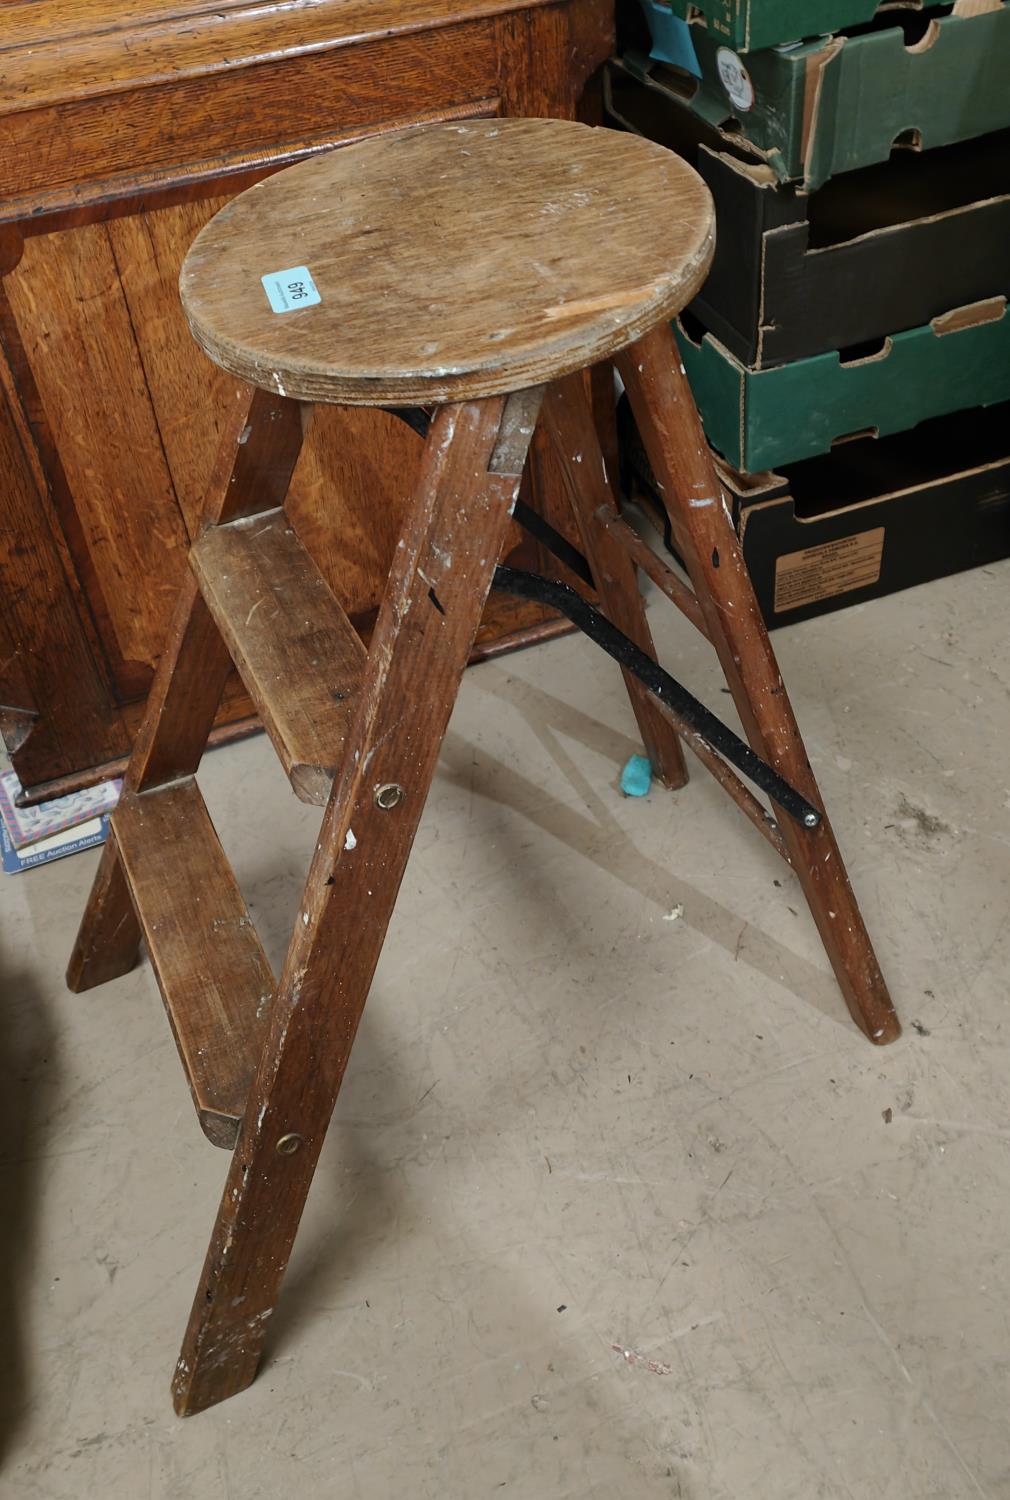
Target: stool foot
704,535
439,582
569,420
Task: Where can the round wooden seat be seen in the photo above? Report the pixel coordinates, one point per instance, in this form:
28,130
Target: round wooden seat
448,262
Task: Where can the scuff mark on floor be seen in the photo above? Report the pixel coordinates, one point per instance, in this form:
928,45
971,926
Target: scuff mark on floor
632,1357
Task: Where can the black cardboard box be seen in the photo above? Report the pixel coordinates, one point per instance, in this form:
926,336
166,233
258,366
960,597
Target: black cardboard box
871,253
874,516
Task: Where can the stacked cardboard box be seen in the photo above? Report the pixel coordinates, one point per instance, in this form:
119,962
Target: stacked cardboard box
850,352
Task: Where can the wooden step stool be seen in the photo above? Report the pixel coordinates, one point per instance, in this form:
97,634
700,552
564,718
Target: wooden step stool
473,271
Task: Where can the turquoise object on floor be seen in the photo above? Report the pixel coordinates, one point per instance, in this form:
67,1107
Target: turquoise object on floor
636,778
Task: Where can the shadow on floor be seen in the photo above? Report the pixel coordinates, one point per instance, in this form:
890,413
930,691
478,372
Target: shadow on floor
365,1204
30,1075
598,835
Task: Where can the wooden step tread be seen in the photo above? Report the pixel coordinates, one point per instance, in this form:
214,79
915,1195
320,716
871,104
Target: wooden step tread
214,976
297,653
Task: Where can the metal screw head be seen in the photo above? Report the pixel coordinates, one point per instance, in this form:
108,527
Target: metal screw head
389,795
811,819
289,1144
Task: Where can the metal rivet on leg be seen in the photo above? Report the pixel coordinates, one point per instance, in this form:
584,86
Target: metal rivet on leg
389,795
289,1144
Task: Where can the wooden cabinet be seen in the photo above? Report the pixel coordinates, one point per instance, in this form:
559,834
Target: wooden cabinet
126,125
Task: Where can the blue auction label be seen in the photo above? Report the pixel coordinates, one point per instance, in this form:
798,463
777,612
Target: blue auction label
287,291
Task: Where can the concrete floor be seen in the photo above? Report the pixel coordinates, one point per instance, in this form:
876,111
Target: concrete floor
616,1202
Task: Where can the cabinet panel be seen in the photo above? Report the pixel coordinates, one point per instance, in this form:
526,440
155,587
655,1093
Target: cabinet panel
187,392
112,488
349,495
209,127
46,651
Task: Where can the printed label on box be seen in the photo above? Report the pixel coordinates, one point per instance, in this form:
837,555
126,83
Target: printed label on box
287,291
853,562
735,79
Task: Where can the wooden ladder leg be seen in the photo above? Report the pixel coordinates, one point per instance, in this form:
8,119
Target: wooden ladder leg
569,420
258,451
441,574
703,531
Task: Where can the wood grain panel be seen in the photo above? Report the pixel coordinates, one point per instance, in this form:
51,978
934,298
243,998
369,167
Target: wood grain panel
45,631
188,393
66,154
99,46
525,85
349,497
42,460
348,503
78,336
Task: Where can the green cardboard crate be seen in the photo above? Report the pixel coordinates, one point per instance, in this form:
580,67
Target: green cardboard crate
843,102
749,24
761,419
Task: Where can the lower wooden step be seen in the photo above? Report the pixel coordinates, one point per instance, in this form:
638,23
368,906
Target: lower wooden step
214,976
298,654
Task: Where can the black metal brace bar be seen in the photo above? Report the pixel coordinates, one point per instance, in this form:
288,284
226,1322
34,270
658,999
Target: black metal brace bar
666,688
416,417
531,521
599,629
